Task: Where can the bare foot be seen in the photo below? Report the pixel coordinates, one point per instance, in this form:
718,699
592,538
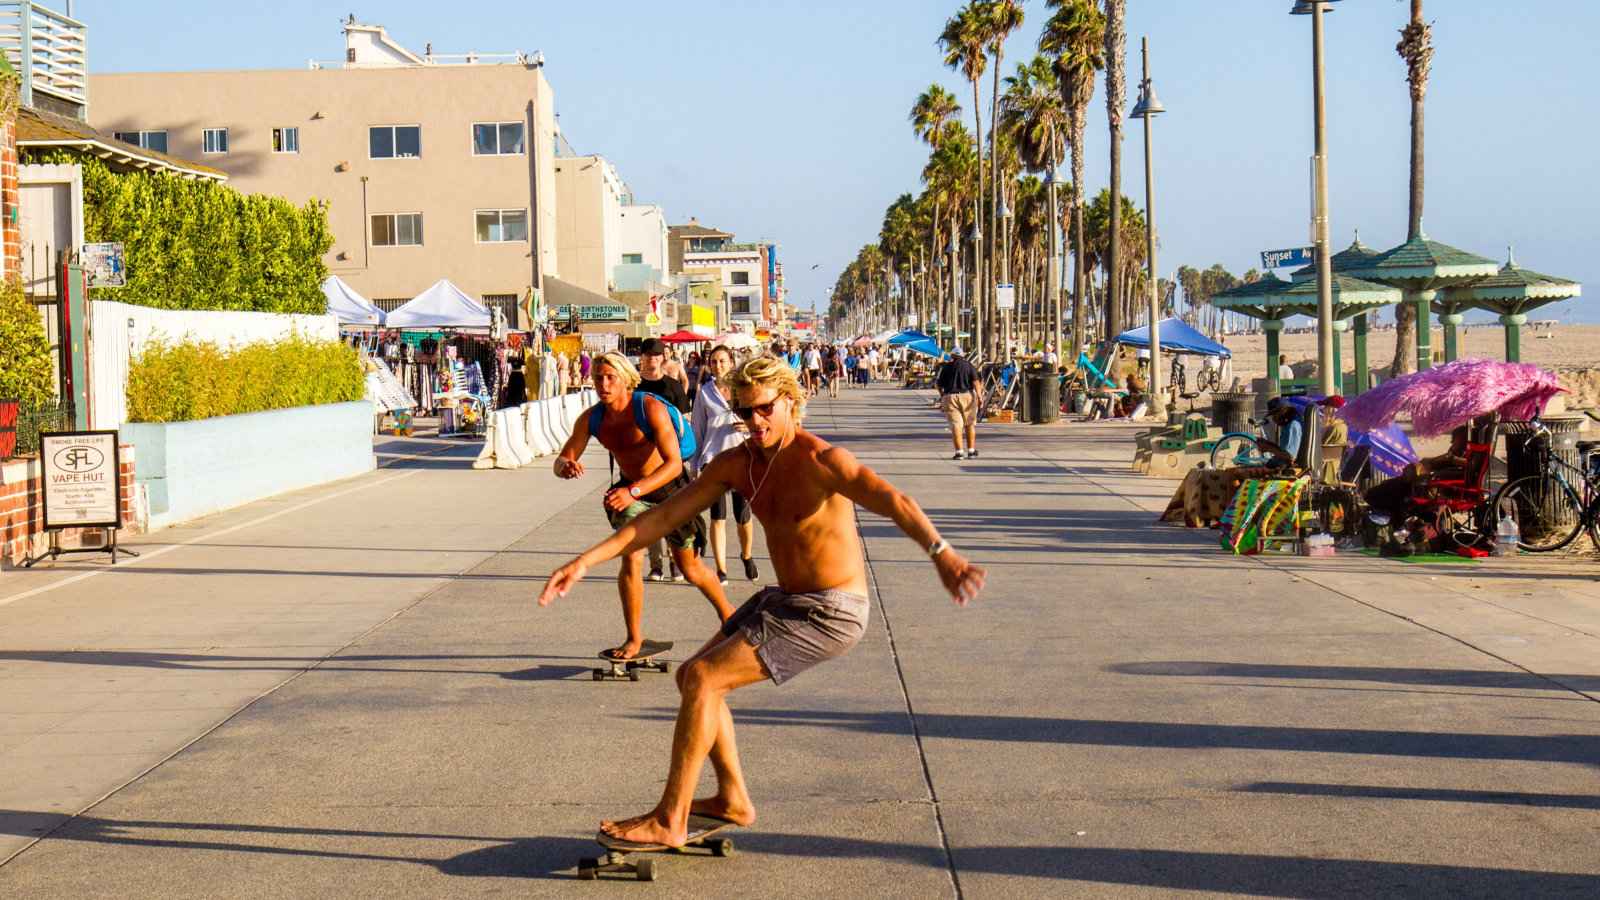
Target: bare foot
739,811
628,650
649,828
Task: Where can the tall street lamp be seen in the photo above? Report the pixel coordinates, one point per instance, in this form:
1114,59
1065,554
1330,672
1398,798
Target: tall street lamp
1007,325
1147,109
1319,217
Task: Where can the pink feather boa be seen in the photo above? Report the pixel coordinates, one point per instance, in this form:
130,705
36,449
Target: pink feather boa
1441,398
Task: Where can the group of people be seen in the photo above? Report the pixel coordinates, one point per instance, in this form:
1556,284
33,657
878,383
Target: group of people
750,415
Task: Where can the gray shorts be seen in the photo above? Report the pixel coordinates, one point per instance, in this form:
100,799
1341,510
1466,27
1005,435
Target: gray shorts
793,632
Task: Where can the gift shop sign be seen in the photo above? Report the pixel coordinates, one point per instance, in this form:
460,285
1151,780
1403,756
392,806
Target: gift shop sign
80,479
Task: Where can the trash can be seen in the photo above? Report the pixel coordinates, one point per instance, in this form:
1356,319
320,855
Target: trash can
1230,410
1041,393
1524,459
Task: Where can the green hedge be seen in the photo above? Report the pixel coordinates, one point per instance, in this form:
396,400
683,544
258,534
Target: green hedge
199,380
196,244
27,373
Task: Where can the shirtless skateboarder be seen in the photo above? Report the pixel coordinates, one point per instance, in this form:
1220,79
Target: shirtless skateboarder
802,490
650,469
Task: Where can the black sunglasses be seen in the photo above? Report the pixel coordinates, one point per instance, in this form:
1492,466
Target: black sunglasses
749,412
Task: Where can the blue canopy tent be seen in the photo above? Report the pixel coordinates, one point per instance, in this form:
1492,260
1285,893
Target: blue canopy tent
1176,337
918,342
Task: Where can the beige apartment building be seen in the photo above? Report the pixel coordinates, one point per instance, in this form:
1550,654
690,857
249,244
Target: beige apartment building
432,166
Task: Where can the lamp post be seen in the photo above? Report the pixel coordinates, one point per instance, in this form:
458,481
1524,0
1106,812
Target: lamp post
1005,316
1147,109
1319,215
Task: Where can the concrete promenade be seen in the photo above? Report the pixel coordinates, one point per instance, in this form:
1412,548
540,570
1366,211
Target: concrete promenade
348,691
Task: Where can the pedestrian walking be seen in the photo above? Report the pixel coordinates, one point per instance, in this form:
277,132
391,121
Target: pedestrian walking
718,429
654,379
960,394
818,612
650,466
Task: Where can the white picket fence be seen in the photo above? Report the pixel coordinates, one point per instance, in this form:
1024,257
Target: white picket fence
119,331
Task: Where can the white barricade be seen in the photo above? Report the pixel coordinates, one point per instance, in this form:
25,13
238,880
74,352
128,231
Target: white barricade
550,420
485,458
533,429
514,423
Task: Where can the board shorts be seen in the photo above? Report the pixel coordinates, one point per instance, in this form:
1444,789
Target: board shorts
793,632
961,410
684,537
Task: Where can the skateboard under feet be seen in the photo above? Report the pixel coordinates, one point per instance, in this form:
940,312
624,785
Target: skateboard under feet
702,834
643,661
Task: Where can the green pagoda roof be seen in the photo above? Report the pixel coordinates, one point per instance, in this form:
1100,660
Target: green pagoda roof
1421,264
1345,260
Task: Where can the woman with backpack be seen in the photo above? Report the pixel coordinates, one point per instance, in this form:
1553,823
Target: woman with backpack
717,429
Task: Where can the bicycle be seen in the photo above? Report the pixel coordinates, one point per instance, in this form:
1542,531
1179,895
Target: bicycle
1548,510
1238,449
1208,379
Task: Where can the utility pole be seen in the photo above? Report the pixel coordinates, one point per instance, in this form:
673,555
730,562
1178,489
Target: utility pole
1325,332
1147,109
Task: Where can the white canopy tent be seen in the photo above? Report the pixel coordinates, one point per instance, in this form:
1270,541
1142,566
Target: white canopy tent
441,306
349,307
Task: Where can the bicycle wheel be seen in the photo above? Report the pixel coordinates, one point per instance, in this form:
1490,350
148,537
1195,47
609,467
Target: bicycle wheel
1547,511
1235,451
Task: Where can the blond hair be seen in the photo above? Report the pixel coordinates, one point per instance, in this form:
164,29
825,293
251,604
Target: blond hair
621,367
767,372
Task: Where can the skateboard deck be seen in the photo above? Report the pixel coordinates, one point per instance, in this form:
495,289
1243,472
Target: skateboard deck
644,660
703,831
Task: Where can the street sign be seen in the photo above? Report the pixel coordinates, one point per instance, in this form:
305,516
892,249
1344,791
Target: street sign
1295,256
1005,296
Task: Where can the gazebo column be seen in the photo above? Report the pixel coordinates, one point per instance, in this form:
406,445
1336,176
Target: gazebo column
1513,323
1340,326
1363,376
1423,302
1272,327
1451,322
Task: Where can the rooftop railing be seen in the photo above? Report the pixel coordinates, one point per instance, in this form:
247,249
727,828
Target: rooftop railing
48,49
725,248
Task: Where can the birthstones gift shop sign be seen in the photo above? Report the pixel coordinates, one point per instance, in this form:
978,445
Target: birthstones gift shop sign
80,479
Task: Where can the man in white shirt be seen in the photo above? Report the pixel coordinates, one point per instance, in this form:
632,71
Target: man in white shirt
872,362
1285,371
813,369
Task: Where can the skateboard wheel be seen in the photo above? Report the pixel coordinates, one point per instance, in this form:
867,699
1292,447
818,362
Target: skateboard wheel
633,674
588,868
666,667
722,847
645,870
599,674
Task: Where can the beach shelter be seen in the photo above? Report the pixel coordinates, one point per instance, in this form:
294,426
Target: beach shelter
1423,269
1512,294
349,307
917,342
441,306
684,336
884,336
1176,337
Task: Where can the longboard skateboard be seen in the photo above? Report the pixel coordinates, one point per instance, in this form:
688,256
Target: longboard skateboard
644,660
703,831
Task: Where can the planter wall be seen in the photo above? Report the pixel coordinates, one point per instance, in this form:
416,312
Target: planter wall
192,469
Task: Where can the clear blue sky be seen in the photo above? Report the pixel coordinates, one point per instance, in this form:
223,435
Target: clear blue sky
787,120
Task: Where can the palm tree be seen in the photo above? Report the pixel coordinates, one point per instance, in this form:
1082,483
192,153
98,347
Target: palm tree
963,42
1074,37
1116,97
934,109
950,182
1416,48
1032,113
1001,19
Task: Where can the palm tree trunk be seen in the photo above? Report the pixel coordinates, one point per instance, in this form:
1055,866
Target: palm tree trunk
994,207
975,300
1078,310
1116,94
1416,48
1052,274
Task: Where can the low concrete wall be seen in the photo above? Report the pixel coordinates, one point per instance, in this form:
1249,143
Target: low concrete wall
192,469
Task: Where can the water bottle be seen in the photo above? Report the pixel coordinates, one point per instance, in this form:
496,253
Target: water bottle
1506,536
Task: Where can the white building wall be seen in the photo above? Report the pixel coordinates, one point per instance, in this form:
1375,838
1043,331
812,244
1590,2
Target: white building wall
644,231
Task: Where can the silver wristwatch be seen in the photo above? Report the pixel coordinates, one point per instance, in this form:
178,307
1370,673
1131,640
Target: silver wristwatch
633,491
938,547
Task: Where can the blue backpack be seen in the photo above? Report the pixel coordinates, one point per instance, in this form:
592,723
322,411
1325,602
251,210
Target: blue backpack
686,442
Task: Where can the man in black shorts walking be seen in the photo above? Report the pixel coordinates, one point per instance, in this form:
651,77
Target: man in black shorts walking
651,467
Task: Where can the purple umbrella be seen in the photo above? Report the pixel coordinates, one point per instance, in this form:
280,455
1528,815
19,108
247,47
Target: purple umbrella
1441,398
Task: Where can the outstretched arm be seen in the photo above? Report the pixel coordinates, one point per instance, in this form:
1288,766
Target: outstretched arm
645,530
866,488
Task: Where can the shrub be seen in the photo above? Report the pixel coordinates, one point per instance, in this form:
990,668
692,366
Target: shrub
27,373
193,380
195,244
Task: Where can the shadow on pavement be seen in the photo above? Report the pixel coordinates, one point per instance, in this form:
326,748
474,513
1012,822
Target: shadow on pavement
1383,674
1583,749
1384,792
225,663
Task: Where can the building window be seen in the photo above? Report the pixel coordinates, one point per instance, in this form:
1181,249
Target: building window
285,140
741,306
497,139
397,230
149,140
395,141
632,259
498,226
214,140
740,277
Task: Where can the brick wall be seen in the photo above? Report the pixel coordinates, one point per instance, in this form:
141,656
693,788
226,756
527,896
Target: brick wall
22,512
10,222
